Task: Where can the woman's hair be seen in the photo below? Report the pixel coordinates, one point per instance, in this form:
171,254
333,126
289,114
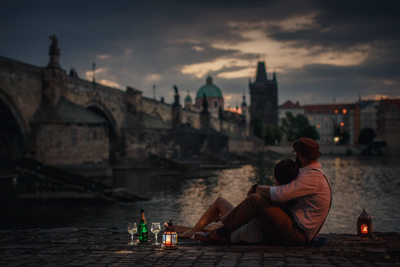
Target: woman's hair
286,171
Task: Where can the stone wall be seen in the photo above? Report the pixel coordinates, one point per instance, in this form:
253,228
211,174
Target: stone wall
24,87
111,101
139,145
162,110
21,84
191,117
58,144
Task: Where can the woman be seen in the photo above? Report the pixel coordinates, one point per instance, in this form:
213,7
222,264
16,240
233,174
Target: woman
285,171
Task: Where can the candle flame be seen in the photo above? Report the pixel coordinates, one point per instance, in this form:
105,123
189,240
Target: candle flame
364,229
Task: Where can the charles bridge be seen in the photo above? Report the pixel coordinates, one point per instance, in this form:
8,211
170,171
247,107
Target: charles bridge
63,120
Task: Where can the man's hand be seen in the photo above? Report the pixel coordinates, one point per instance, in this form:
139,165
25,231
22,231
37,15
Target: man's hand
261,189
264,190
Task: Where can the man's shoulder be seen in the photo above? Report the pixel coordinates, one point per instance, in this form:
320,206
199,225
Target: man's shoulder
311,171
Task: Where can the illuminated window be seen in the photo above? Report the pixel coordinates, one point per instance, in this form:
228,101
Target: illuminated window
344,111
342,124
318,126
336,111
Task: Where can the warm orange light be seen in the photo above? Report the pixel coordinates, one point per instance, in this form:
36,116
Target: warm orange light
344,111
364,229
234,110
170,239
336,111
342,124
318,126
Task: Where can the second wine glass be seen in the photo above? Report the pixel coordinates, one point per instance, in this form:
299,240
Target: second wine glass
155,229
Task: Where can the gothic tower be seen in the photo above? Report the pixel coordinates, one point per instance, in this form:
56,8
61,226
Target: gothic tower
264,97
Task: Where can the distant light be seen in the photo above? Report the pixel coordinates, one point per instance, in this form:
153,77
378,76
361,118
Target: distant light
336,139
342,124
336,111
344,111
318,126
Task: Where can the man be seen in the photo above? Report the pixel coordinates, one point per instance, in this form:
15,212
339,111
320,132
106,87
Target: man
311,195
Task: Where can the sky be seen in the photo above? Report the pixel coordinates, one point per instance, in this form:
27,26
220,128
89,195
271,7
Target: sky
321,51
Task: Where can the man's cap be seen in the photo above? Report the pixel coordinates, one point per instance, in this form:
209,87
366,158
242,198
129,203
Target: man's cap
307,147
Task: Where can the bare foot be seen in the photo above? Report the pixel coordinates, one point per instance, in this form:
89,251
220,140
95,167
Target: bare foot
187,234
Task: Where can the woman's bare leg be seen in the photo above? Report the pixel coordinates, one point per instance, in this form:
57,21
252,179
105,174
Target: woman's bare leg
219,208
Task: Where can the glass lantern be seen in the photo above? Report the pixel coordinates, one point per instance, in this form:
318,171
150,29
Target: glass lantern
170,237
364,225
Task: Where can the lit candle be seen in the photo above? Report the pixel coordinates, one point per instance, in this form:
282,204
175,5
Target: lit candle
364,229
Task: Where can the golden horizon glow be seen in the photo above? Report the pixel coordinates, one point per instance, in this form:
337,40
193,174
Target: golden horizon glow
153,77
103,56
109,83
234,110
202,69
89,73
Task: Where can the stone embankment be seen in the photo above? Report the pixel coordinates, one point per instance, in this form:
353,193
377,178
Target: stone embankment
109,247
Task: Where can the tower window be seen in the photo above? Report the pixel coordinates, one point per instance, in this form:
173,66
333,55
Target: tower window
215,104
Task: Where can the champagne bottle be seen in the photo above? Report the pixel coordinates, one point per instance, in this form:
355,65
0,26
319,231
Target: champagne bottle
143,230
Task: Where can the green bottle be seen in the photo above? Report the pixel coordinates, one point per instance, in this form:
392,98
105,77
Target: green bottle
142,229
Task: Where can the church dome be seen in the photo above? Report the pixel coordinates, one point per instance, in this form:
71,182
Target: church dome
209,89
188,99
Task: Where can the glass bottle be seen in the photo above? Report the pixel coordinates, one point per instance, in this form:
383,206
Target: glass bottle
142,229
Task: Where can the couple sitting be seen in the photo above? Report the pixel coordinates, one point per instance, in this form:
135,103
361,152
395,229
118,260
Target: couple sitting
290,213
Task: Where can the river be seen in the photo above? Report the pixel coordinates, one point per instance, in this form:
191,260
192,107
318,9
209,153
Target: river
357,183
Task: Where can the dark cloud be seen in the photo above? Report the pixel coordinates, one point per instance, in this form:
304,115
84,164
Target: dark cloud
159,37
342,24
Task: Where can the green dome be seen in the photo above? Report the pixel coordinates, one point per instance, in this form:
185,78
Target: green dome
209,89
188,99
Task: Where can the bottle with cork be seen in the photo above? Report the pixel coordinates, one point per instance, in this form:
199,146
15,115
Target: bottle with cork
142,229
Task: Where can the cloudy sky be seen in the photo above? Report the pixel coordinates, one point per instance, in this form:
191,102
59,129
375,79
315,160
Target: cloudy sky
320,50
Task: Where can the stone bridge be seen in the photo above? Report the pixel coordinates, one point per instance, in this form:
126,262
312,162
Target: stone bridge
63,120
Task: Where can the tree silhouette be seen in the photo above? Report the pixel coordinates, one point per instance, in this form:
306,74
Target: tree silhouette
298,126
366,136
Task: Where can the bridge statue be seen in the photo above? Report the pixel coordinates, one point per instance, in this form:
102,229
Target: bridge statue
54,52
176,97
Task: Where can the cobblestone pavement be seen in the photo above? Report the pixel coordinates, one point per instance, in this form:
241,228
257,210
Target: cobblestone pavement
109,247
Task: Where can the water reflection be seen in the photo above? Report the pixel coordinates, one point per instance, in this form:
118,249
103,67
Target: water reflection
357,183
369,183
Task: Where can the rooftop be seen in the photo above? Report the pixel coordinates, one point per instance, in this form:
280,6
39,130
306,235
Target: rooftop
290,105
328,108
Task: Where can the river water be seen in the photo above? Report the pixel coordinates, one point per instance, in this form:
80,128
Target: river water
357,183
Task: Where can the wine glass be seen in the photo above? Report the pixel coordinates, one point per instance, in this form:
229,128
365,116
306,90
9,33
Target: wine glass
132,229
155,229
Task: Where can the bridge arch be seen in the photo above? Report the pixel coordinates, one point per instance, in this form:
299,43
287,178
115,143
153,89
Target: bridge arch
113,134
13,131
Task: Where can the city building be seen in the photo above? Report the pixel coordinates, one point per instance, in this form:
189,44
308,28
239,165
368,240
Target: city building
388,124
264,97
188,102
213,95
335,122
368,114
289,106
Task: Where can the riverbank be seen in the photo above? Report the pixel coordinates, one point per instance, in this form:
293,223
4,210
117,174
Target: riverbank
342,150
109,247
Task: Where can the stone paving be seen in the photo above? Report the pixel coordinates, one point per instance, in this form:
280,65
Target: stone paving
109,247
